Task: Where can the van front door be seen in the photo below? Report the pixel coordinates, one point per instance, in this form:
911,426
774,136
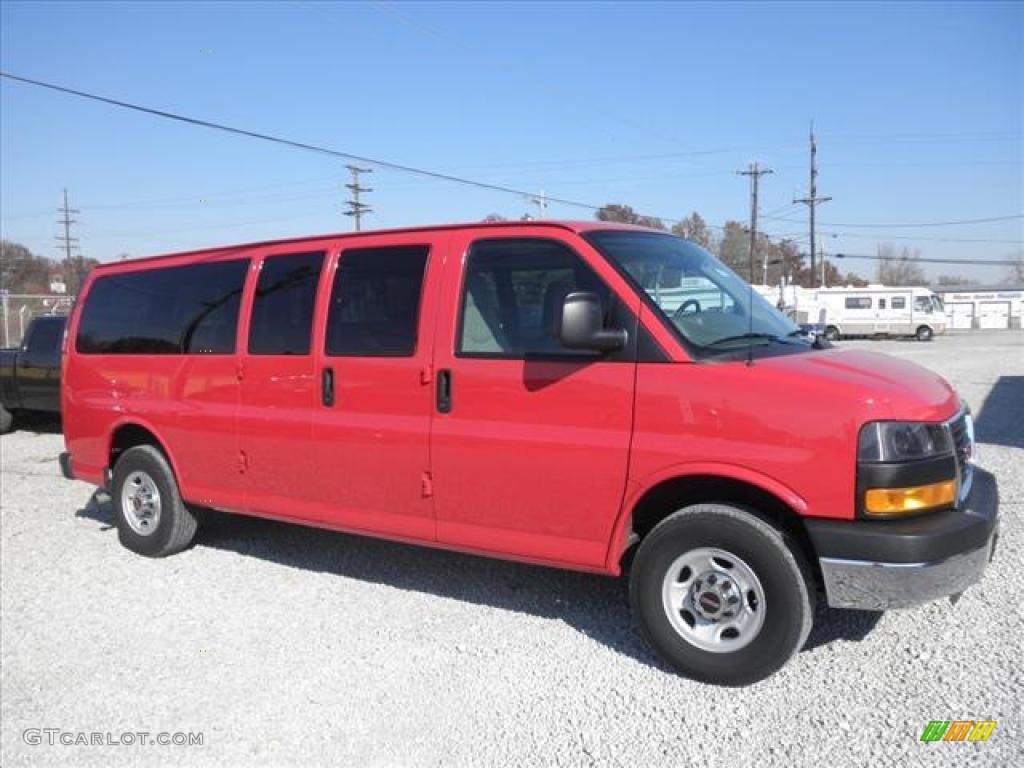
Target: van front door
371,426
530,440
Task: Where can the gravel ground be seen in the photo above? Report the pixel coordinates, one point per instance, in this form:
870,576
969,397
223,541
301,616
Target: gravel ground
291,646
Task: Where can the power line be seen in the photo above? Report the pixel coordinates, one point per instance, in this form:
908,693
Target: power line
925,260
987,220
307,147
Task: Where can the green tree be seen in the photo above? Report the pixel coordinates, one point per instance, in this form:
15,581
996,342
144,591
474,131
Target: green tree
22,271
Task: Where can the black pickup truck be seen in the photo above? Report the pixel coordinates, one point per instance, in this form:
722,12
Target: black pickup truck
30,374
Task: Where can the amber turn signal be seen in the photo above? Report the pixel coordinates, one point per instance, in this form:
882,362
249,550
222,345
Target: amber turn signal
900,501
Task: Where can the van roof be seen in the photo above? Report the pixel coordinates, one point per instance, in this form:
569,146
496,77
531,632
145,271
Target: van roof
572,226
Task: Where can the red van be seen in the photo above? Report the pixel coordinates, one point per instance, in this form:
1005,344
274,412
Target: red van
578,395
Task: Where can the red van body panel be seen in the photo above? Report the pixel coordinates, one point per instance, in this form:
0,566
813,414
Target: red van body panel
539,460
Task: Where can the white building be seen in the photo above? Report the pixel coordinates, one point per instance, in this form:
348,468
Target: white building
983,307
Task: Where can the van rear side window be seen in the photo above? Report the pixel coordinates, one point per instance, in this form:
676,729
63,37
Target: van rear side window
375,302
282,311
192,309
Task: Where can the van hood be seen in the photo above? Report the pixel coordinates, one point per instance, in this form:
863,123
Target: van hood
887,387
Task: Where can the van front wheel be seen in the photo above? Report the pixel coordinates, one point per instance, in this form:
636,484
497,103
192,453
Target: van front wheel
721,595
151,518
924,333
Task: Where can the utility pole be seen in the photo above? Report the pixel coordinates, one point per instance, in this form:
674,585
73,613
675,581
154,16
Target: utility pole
67,243
755,173
541,201
813,200
356,208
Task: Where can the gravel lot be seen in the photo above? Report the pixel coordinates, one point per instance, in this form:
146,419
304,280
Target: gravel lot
290,646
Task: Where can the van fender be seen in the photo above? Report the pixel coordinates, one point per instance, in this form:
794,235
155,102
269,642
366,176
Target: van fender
131,420
636,490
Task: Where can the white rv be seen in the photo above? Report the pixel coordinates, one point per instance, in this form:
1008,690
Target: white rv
876,310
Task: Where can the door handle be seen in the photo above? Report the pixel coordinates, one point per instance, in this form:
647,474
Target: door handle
444,391
327,387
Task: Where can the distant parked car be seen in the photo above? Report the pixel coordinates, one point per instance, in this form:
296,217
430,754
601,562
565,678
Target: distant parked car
30,374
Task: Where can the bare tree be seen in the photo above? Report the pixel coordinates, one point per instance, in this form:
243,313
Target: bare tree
954,280
902,269
694,228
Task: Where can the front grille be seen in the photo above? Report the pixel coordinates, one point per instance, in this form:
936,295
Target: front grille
963,447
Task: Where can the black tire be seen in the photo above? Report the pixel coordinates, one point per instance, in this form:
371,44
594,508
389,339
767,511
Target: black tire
924,333
175,527
831,333
788,607
6,421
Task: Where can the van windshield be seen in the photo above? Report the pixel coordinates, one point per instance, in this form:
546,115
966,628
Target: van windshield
707,303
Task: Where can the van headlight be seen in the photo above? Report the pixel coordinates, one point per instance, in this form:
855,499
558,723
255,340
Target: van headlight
905,467
886,441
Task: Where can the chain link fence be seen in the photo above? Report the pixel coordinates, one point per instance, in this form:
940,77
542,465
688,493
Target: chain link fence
17,311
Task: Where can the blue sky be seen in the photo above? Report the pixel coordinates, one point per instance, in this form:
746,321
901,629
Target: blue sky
919,109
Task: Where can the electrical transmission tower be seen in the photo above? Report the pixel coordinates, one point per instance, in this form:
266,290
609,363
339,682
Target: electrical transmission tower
356,207
812,200
755,172
67,244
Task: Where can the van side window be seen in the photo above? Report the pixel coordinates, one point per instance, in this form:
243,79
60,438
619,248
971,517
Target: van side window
858,302
375,302
512,297
881,303
282,310
191,309
898,302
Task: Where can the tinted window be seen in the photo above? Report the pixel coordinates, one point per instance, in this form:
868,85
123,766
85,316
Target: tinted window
923,303
858,302
282,311
881,303
45,338
375,302
168,311
513,294
899,302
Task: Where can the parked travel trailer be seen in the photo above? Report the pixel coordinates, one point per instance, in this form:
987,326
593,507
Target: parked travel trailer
874,310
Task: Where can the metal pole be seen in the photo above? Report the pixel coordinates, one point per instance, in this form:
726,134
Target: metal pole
7,327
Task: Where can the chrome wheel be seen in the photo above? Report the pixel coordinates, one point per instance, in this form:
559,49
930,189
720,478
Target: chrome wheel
713,600
140,503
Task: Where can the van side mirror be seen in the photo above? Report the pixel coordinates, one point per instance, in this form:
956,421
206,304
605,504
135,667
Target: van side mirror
582,325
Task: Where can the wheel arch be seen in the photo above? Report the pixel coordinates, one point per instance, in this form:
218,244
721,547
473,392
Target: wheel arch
131,433
678,488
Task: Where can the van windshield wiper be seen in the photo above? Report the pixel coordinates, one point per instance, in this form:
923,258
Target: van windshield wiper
743,337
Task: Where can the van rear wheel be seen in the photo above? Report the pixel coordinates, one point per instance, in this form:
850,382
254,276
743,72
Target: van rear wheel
6,420
831,333
721,595
152,520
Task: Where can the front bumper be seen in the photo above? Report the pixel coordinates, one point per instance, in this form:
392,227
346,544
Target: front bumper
877,565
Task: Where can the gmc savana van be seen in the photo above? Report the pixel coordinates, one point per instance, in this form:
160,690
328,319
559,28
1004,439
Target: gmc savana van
580,395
